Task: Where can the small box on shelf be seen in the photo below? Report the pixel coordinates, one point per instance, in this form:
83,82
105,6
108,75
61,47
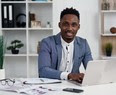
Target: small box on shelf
35,24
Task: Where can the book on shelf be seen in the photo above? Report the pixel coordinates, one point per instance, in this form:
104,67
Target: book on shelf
11,15
4,15
7,15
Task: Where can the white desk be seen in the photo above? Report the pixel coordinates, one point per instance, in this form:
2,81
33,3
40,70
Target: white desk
106,89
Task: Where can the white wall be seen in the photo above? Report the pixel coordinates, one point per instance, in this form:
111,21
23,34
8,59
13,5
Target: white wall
89,20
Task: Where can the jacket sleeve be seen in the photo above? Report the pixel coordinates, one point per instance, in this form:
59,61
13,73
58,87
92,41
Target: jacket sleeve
45,63
87,55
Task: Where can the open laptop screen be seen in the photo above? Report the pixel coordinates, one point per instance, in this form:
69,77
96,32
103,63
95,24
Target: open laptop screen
99,72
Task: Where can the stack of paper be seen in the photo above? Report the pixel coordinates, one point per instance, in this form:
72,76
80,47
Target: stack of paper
20,86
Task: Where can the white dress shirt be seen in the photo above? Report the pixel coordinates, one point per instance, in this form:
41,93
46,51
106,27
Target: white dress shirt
67,59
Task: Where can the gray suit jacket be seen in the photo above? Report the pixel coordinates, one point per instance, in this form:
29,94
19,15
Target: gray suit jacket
51,53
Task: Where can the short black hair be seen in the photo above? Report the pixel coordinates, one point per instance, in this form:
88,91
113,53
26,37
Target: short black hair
70,11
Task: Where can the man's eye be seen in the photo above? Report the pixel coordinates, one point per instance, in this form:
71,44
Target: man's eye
74,24
65,24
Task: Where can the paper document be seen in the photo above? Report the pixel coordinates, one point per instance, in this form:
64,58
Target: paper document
40,81
27,89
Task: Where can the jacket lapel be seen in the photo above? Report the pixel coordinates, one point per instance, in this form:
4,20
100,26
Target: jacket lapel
59,48
76,55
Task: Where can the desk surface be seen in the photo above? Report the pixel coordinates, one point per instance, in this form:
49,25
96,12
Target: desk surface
105,89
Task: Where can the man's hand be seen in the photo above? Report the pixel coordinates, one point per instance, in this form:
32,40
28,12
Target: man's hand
76,77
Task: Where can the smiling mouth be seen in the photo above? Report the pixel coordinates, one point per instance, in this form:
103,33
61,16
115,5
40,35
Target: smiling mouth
69,34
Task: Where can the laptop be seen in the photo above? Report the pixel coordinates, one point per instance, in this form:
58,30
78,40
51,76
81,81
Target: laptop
99,72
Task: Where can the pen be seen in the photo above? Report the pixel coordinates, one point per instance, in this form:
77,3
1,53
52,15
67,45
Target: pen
42,80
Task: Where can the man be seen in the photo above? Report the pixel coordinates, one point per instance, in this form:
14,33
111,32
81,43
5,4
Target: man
61,55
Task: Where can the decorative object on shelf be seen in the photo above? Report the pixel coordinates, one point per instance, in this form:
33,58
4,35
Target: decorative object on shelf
48,25
21,20
108,49
111,4
35,24
114,5
15,45
105,5
2,71
113,30
32,16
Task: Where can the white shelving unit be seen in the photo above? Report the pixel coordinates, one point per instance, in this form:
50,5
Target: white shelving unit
25,64
108,20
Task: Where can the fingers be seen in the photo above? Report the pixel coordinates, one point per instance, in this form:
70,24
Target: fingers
80,78
76,77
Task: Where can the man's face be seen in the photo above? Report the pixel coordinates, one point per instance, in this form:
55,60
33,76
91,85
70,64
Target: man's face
69,26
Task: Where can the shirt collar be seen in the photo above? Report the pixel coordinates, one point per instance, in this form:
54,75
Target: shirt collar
65,43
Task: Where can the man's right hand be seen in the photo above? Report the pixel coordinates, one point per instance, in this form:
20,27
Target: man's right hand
76,77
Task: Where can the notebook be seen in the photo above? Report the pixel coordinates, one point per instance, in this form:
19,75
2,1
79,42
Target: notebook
99,72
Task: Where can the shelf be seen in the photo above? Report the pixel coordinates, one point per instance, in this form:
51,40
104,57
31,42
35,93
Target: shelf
7,55
13,2
40,28
108,35
108,58
33,55
13,28
108,11
27,28
44,2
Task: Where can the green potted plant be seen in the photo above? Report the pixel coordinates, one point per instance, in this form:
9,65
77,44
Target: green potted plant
108,49
15,45
2,71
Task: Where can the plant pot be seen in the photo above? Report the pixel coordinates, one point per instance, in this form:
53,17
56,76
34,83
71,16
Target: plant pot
108,53
15,51
2,73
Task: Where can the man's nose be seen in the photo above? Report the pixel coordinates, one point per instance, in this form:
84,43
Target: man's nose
70,27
